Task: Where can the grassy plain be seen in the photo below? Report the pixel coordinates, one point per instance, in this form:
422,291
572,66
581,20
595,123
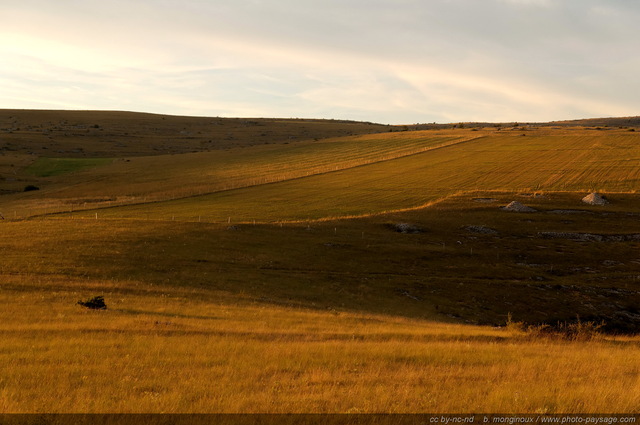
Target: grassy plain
321,305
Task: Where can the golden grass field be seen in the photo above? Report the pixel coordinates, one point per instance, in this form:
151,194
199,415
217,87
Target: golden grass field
157,178
162,349
319,305
568,161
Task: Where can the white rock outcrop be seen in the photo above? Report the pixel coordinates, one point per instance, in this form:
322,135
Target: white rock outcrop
516,206
595,199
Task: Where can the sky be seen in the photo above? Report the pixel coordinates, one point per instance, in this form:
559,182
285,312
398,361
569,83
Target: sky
385,61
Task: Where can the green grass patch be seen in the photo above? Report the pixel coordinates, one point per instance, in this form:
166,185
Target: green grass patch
48,167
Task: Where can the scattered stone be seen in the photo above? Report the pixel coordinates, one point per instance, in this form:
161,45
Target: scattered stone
540,278
516,206
595,199
233,228
481,229
582,237
408,295
590,237
569,212
531,195
406,228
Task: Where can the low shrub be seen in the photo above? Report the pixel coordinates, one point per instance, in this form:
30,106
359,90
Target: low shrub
95,303
577,330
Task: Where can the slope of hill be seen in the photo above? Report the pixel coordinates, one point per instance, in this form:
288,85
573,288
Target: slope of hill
544,160
365,273
617,122
80,183
80,134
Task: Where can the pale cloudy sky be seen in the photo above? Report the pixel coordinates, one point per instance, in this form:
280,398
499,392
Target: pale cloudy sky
388,61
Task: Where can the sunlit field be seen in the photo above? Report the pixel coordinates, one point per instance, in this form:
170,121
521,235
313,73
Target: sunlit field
581,161
110,182
161,349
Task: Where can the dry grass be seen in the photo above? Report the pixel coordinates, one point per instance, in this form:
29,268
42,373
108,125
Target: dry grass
290,319
544,161
82,134
327,316
157,178
177,352
343,177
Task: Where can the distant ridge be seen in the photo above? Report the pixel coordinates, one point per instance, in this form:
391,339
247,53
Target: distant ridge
610,122
620,122
69,133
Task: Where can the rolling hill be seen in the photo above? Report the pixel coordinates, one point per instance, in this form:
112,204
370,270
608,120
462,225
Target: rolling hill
352,267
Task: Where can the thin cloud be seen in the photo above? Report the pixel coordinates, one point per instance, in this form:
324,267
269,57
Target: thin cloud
386,61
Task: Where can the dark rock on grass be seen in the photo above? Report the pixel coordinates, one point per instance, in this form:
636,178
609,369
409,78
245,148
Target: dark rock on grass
95,303
590,237
406,228
582,237
481,229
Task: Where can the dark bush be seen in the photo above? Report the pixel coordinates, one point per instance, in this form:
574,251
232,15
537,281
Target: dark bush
95,303
31,187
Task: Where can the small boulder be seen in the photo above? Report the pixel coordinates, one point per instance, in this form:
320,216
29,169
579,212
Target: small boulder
481,229
595,199
406,228
516,206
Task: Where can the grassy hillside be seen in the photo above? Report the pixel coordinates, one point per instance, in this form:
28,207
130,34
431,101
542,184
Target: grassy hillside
79,134
615,122
543,160
75,182
365,273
